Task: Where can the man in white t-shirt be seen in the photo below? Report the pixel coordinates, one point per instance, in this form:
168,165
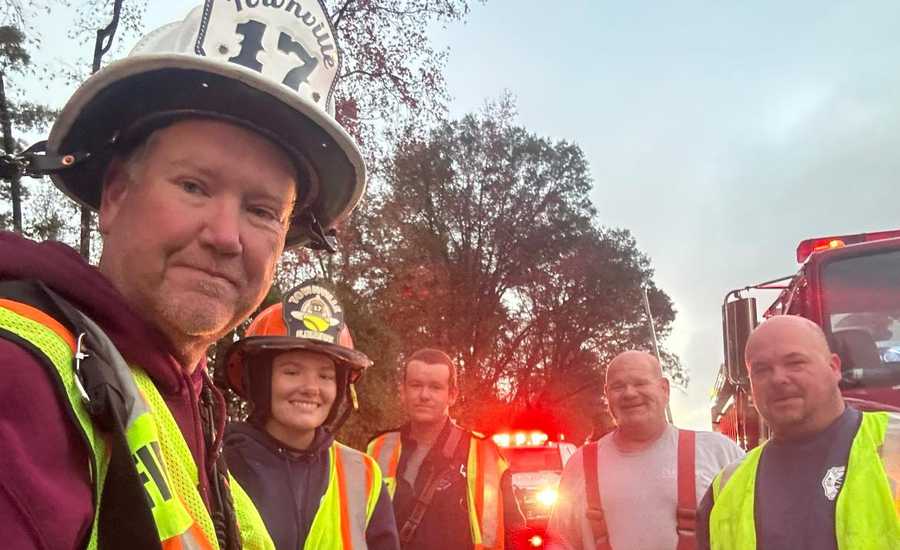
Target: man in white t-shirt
647,476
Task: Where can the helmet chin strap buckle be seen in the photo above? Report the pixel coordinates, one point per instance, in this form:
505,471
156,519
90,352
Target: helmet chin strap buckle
36,162
353,398
321,239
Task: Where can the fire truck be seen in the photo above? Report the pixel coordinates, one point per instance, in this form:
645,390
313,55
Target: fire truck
850,286
536,463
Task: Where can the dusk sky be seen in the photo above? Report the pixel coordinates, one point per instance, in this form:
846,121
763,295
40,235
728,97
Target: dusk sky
720,133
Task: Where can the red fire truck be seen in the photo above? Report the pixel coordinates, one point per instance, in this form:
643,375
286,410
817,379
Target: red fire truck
536,463
850,286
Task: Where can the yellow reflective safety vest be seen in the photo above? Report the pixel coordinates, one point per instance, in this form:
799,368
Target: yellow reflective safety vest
342,518
867,511
158,447
484,469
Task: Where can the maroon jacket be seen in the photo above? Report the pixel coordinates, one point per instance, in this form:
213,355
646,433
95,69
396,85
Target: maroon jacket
46,497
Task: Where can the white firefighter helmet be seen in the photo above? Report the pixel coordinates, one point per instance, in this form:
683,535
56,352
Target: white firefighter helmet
269,66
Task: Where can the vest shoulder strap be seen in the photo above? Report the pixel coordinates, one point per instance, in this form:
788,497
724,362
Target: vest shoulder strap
117,521
454,440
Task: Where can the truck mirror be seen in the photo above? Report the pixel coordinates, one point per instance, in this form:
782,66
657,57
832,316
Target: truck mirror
738,321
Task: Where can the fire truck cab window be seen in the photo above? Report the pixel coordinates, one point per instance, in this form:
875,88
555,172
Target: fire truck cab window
533,459
862,294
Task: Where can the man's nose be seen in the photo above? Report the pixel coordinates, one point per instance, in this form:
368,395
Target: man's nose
222,227
780,375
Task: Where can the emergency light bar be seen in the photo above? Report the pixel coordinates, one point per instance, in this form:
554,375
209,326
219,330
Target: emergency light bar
807,247
520,439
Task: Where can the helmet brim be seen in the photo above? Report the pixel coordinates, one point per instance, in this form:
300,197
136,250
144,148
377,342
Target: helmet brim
236,359
126,91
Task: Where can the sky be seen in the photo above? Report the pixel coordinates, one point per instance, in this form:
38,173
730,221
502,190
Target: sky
720,133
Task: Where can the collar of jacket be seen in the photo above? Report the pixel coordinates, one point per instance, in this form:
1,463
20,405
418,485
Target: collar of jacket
319,446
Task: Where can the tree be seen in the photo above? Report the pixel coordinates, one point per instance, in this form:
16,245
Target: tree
485,243
14,59
24,34
390,67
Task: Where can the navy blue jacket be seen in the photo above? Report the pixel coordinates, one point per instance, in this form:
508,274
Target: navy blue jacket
445,524
286,485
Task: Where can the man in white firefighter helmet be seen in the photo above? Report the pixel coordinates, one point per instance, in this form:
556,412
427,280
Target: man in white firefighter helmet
206,151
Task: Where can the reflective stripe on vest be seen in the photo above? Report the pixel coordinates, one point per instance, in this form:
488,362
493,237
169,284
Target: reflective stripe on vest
58,345
484,469
867,511
160,453
385,449
342,510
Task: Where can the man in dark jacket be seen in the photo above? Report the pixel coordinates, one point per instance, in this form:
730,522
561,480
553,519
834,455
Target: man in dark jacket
297,367
440,475
204,165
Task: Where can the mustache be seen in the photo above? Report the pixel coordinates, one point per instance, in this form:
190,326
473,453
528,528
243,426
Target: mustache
778,395
231,273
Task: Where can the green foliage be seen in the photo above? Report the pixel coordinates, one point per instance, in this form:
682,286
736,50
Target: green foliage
31,117
391,70
12,49
483,241
477,236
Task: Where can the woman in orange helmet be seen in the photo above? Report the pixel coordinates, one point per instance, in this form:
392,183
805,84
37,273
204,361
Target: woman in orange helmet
297,368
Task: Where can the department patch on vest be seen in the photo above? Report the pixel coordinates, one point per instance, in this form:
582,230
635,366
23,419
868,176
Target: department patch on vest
832,481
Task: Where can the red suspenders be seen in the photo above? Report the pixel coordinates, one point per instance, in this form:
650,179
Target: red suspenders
685,513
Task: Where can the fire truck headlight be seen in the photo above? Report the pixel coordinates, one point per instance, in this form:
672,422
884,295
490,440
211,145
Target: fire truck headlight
536,541
547,497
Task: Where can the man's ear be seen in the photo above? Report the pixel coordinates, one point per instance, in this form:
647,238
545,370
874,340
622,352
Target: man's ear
454,395
834,361
116,184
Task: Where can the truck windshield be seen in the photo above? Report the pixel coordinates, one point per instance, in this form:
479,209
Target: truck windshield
533,459
861,296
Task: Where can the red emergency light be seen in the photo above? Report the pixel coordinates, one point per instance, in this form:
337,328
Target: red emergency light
520,439
807,247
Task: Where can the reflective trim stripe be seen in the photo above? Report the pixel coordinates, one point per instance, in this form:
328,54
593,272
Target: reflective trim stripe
890,456
722,478
485,500
355,470
474,481
171,518
41,318
385,449
866,515
187,507
866,511
59,348
345,520
147,415
354,486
